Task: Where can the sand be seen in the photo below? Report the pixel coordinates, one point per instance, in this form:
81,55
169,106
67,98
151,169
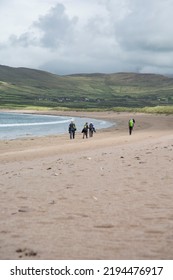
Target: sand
106,197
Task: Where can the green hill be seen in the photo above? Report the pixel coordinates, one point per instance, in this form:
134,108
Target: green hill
21,87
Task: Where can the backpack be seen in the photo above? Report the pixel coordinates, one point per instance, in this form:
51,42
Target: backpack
72,127
131,123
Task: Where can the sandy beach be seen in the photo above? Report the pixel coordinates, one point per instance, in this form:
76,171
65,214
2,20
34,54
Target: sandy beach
106,197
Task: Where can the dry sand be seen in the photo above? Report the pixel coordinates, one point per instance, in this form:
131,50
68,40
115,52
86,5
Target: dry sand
106,197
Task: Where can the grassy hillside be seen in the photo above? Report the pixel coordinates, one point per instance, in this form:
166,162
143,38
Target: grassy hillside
28,87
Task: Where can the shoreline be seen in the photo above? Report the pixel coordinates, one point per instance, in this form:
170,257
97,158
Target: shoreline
106,197
54,113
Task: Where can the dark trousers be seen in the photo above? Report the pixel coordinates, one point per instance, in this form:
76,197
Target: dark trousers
130,130
85,134
72,134
90,133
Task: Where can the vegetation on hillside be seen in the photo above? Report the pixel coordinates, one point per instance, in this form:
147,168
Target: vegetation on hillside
22,87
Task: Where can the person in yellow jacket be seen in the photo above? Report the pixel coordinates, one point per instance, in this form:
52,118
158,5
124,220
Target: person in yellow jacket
131,125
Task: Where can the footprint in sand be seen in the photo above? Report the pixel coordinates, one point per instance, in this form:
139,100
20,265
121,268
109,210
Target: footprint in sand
105,226
138,158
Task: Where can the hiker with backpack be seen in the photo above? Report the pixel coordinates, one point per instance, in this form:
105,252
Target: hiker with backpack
85,130
91,129
131,125
72,130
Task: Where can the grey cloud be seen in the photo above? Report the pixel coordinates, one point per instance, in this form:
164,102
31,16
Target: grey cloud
65,67
24,40
147,27
50,31
113,36
56,28
124,39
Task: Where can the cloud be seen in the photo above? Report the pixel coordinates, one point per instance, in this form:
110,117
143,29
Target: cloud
88,36
49,31
147,27
56,27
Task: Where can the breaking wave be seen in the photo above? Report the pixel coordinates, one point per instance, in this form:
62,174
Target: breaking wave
36,123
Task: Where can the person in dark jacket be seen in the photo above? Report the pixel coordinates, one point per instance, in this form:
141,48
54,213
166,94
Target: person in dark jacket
85,130
72,130
91,129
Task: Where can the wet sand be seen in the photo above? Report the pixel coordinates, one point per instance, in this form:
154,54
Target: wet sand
106,197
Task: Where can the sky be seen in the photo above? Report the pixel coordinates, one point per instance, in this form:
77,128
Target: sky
87,36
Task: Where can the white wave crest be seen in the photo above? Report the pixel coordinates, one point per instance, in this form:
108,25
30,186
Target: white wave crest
36,123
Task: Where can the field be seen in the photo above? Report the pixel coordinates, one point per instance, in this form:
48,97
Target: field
25,88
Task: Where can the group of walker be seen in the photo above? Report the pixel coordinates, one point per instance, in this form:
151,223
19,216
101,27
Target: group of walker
87,129
90,129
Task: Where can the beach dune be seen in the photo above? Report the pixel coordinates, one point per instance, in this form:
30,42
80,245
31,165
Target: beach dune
105,197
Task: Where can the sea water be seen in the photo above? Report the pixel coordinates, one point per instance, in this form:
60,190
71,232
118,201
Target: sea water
19,125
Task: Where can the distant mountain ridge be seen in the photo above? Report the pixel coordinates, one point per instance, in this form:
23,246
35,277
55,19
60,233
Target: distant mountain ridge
21,75
16,74
25,86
